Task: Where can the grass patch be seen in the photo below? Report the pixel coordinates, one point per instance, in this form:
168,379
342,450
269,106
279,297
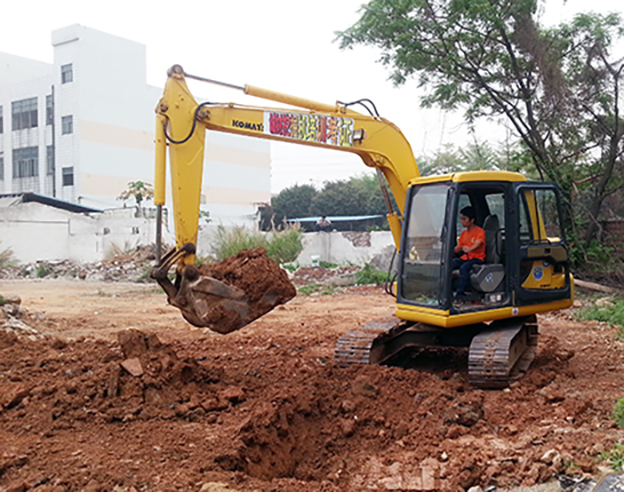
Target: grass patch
611,313
369,275
614,456
281,246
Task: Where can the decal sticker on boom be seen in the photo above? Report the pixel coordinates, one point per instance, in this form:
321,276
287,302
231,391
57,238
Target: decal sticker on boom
331,130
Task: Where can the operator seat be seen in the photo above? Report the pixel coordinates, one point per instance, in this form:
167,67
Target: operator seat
488,276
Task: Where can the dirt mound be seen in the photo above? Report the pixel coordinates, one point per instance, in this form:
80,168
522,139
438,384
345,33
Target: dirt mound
230,294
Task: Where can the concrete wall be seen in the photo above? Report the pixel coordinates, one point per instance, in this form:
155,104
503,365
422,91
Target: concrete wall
343,248
36,232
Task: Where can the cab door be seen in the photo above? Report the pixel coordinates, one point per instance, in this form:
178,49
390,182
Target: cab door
542,266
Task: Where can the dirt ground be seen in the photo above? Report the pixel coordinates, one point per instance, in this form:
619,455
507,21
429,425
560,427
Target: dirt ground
104,387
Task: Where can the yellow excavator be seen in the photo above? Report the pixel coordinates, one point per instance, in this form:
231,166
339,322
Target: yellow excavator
526,269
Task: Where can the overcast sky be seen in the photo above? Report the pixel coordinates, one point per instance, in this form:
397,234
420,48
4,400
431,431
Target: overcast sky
285,45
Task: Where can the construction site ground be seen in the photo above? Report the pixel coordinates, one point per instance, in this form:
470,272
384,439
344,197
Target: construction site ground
104,387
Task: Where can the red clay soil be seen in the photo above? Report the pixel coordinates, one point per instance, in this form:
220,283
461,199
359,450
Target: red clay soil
232,293
170,407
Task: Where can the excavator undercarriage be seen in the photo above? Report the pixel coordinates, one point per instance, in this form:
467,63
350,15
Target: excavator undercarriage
499,352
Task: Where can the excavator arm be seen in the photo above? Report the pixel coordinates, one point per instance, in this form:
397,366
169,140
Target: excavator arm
181,124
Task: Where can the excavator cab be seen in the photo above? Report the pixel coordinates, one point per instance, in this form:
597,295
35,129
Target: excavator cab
526,268
526,271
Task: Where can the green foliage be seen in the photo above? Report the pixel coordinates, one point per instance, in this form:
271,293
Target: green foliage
618,413
614,456
612,313
474,157
229,241
204,216
369,275
139,190
281,246
293,202
597,257
352,197
2,301
557,88
285,246
43,270
360,195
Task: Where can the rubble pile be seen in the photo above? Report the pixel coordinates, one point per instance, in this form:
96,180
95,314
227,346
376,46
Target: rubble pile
342,275
15,322
132,266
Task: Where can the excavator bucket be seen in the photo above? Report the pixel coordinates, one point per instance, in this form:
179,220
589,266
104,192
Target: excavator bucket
228,295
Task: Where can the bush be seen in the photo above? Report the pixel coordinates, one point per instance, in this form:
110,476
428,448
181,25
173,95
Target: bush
284,246
230,241
369,275
281,246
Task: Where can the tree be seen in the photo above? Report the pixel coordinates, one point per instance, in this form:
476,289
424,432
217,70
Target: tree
139,190
557,88
291,203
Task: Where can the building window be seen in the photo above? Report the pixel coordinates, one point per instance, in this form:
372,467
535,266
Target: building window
49,110
67,74
26,162
1,167
50,160
67,124
68,176
24,113
1,121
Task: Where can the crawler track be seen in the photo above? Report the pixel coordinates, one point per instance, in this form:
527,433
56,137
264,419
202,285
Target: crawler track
499,352
502,353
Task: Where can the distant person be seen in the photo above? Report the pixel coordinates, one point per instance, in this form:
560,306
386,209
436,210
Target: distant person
323,224
471,245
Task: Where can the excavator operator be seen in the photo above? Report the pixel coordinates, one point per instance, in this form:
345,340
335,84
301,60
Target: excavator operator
472,244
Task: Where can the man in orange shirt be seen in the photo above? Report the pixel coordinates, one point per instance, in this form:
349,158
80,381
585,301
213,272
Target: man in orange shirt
472,244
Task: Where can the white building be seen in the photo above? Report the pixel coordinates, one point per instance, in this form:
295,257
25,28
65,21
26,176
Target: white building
81,128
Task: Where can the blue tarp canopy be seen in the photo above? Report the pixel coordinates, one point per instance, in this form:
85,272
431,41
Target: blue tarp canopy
349,218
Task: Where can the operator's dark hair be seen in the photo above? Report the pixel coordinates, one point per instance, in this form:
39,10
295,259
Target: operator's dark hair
468,212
